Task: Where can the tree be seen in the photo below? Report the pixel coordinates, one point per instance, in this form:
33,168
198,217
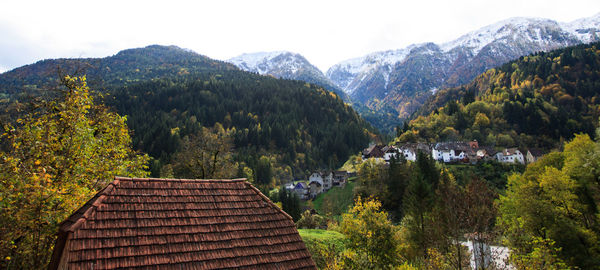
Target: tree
371,237
309,221
290,203
397,179
480,215
264,171
53,161
418,202
550,203
450,219
426,167
205,155
371,177
543,256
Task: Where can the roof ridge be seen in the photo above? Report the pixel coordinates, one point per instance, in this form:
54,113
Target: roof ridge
84,212
150,179
81,214
264,197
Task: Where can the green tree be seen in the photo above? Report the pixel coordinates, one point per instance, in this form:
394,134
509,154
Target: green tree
371,178
206,155
550,203
290,203
309,221
418,203
54,160
264,171
544,255
371,237
396,182
450,215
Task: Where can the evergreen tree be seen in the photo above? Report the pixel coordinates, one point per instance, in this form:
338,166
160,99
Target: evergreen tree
398,176
264,171
290,203
419,200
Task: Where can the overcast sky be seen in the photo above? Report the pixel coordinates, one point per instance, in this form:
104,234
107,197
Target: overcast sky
325,32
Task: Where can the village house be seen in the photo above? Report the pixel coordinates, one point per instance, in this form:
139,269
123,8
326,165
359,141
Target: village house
510,155
289,186
373,151
467,152
340,178
315,184
485,153
385,152
389,152
410,150
320,182
314,189
179,224
454,151
327,180
300,189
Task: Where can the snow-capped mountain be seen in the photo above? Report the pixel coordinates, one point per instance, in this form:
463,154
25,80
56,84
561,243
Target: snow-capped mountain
286,65
264,63
402,79
585,29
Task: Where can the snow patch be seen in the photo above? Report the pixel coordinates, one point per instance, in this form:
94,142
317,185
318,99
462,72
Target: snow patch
267,62
585,29
351,69
537,33
514,27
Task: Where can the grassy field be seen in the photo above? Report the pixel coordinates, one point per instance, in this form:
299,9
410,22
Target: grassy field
335,201
321,236
322,244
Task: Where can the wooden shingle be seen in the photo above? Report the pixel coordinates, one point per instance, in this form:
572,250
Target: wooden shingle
179,224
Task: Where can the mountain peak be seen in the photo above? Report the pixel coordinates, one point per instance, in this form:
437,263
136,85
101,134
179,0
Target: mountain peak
263,62
286,65
160,51
512,27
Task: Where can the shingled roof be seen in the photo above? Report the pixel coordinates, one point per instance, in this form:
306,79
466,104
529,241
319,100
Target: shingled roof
179,224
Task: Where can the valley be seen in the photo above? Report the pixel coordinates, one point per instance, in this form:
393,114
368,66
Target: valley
421,157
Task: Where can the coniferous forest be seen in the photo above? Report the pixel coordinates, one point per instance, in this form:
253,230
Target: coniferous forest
301,126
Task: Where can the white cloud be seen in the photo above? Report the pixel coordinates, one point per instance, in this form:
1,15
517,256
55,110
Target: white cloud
325,32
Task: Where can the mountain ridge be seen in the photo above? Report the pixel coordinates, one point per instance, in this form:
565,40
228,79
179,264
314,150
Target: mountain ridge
285,65
401,78
126,66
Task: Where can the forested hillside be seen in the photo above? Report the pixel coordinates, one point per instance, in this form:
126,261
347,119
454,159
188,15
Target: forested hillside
295,123
537,100
126,67
169,93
